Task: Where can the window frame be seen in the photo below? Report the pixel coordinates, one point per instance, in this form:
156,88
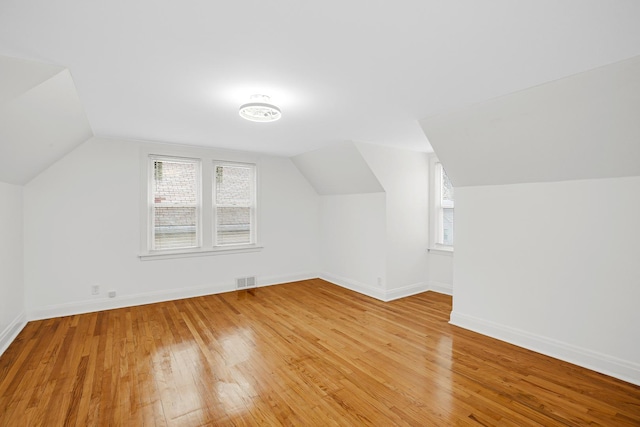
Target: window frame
252,203
207,157
437,208
151,205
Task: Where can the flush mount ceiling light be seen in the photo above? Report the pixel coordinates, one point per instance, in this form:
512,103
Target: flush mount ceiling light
259,109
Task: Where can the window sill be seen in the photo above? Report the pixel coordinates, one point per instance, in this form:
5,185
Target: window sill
187,253
443,250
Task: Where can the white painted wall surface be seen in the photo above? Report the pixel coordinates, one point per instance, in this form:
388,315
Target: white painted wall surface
353,241
82,227
12,307
554,267
404,175
440,272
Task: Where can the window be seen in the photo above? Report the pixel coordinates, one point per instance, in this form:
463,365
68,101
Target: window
197,205
234,203
175,203
442,208
445,208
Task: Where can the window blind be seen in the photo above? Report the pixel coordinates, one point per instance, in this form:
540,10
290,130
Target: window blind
234,203
175,203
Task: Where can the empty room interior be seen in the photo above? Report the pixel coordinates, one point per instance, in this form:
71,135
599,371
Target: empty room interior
273,212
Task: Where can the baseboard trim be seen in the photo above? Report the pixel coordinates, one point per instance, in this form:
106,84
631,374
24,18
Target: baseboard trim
406,291
441,287
377,293
90,306
622,369
9,334
294,277
354,285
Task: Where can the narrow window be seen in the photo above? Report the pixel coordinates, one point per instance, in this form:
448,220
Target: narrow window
445,208
174,203
235,203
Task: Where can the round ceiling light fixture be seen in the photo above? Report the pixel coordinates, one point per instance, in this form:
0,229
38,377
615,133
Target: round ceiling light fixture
259,109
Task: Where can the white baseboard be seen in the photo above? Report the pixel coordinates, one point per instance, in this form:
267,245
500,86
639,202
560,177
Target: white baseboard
405,291
377,293
294,277
354,285
11,331
441,287
89,306
605,364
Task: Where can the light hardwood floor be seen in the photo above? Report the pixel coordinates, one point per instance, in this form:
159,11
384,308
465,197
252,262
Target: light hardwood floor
304,354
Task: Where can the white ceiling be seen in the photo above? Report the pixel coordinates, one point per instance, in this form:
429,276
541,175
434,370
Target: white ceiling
360,70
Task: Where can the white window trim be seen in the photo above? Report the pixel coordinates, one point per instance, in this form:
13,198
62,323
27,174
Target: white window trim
435,219
207,159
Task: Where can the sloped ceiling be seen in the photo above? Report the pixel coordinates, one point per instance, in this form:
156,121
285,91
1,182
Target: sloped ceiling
583,126
41,118
18,76
338,169
357,70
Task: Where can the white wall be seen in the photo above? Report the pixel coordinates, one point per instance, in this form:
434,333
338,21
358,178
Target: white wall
404,175
352,240
553,267
374,216
440,271
82,228
12,313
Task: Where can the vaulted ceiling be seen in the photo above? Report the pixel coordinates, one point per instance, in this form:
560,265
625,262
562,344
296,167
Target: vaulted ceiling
585,126
41,118
356,70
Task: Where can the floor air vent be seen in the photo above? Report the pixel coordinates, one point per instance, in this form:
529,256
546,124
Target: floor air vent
246,282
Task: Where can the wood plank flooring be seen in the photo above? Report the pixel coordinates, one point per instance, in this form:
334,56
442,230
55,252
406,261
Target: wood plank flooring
304,354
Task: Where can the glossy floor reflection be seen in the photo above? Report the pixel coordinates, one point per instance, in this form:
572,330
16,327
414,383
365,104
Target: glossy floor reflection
304,354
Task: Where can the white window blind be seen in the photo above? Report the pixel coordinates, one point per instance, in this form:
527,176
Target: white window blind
235,203
175,203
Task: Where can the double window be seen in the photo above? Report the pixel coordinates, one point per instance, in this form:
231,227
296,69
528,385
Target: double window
196,204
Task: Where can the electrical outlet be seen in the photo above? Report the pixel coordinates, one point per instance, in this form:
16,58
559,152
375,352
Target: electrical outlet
95,290
112,294
379,281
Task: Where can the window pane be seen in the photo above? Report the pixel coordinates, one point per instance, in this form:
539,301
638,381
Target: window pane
175,227
235,204
233,225
447,226
447,188
233,185
175,202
